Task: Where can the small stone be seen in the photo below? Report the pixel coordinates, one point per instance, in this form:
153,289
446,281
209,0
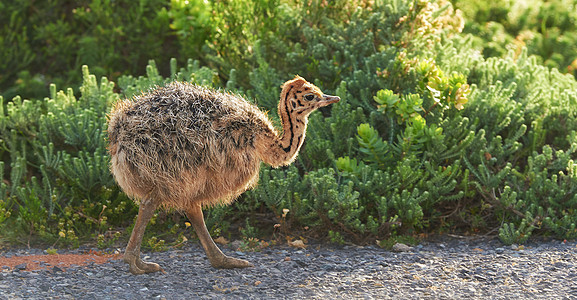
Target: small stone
57,269
480,277
301,263
297,244
235,244
221,240
400,247
20,267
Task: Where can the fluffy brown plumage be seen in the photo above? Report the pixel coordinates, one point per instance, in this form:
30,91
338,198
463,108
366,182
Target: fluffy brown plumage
183,143
186,147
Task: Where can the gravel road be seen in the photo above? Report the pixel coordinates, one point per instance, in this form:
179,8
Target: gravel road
444,268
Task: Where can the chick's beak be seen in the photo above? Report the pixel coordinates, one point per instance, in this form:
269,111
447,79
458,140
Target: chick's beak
328,99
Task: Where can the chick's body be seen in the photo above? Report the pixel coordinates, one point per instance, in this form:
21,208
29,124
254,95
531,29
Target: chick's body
184,144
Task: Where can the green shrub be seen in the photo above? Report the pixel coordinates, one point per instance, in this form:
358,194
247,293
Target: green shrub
546,28
48,41
430,134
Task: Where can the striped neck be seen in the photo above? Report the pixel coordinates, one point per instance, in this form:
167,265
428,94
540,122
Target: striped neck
294,124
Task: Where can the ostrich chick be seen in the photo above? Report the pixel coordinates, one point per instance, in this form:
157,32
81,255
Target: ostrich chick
186,147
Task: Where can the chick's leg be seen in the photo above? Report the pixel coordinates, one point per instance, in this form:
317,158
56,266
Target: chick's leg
215,256
132,254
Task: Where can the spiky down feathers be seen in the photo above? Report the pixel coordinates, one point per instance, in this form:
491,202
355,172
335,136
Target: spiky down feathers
184,143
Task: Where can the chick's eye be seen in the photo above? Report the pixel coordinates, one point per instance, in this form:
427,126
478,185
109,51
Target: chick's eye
309,97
